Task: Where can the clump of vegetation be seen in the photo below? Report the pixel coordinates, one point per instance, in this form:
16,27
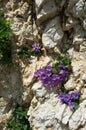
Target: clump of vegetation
62,62
58,74
18,120
26,52
71,99
5,44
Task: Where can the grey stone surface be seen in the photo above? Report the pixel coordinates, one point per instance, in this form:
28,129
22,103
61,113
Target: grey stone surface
53,34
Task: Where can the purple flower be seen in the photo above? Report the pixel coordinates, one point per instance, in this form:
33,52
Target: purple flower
64,73
49,71
62,66
45,83
36,47
61,97
64,97
48,68
71,105
36,74
75,95
50,79
39,72
69,98
56,78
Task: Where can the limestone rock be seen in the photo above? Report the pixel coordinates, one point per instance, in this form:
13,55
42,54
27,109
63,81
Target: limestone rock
52,34
79,36
39,90
83,91
84,78
5,109
43,116
28,71
66,116
70,84
69,23
79,117
45,9
78,8
60,111
16,26
10,82
84,24
61,24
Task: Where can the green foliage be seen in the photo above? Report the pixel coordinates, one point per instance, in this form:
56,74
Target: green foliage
76,104
18,120
27,52
5,44
38,54
62,60
63,89
24,52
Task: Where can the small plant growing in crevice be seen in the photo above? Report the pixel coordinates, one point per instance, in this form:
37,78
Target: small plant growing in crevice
72,99
5,43
63,62
36,49
58,74
26,52
18,120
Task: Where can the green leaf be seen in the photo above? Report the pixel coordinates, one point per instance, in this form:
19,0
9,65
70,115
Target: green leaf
18,120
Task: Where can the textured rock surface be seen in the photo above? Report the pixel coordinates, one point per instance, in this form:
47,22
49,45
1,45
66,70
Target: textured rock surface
45,9
68,31
47,111
11,84
79,117
59,25
53,34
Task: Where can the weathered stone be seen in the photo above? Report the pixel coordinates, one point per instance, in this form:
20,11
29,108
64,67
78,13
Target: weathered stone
83,91
79,117
60,111
70,23
70,84
5,109
45,9
79,36
84,78
39,90
43,116
66,116
78,8
84,24
84,128
54,19
29,70
16,26
52,34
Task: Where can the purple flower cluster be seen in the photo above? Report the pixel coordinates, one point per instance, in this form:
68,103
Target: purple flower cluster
50,79
69,98
36,47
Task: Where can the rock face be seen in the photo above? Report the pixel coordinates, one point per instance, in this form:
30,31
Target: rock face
53,34
46,111
79,117
49,112
45,10
59,26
